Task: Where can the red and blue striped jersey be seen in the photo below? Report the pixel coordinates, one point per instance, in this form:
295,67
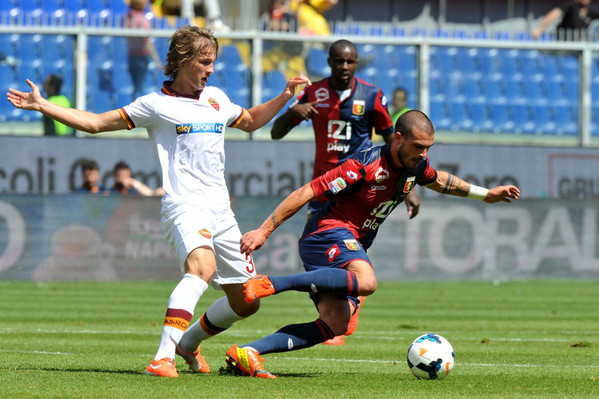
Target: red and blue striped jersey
362,192
343,128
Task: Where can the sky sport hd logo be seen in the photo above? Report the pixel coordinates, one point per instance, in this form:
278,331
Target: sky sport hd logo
189,128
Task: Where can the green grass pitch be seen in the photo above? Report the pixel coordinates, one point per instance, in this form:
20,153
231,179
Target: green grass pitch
520,339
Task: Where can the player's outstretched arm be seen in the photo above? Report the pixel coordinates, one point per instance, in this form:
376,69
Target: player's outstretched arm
75,118
253,240
260,115
446,183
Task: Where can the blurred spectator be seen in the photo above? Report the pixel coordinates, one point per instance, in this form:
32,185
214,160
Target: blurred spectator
90,173
576,16
310,15
140,48
288,56
125,184
281,17
399,104
52,86
210,10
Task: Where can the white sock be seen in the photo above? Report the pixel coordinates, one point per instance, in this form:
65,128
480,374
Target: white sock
217,319
181,305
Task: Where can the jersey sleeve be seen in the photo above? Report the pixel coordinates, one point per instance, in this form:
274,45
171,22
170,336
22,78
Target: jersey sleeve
428,176
342,180
140,113
380,115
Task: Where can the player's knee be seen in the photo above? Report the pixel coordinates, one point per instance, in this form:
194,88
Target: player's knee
367,286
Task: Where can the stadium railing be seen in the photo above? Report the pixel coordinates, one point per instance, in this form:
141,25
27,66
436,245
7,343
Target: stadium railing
482,83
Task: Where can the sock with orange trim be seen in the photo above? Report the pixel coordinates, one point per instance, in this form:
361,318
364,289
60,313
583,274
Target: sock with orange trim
181,305
217,319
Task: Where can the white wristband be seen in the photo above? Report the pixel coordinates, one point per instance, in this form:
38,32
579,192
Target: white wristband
476,192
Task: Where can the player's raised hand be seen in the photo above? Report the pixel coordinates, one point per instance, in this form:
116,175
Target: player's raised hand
251,241
29,101
502,193
305,111
292,84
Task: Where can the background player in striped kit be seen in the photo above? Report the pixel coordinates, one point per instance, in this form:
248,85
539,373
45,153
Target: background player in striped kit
344,111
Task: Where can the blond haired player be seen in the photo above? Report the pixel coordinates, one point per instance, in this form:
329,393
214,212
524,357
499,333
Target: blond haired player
186,122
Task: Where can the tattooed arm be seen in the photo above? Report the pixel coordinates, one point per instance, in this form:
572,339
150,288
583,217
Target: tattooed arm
253,240
446,183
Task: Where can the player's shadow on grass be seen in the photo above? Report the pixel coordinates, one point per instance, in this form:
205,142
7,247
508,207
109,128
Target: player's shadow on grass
226,371
82,370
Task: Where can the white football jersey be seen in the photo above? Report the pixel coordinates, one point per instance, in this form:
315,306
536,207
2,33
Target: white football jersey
188,137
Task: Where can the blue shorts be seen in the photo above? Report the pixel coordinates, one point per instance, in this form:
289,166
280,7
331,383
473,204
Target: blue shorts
331,248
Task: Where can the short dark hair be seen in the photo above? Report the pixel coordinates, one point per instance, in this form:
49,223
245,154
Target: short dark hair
89,164
412,119
120,166
54,81
341,44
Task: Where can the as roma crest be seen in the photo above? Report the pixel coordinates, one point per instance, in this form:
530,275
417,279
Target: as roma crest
214,104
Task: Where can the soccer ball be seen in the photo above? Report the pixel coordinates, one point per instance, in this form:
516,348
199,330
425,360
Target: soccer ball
430,357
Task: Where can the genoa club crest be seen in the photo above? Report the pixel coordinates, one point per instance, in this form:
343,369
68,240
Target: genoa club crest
358,107
409,184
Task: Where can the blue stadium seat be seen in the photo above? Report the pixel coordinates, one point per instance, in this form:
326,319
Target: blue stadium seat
472,90
97,6
460,119
489,63
502,121
6,44
273,83
478,113
556,94
440,115
316,62
6,5
466,59
100,101
493,91
533,87
522,119
27,47
51,6
28,6
565,118
30,71
398,31
74,6
542,120
529,62
569,64
118,7
7,78
550,65
122,79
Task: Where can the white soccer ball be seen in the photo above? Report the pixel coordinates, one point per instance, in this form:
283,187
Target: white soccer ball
431,357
